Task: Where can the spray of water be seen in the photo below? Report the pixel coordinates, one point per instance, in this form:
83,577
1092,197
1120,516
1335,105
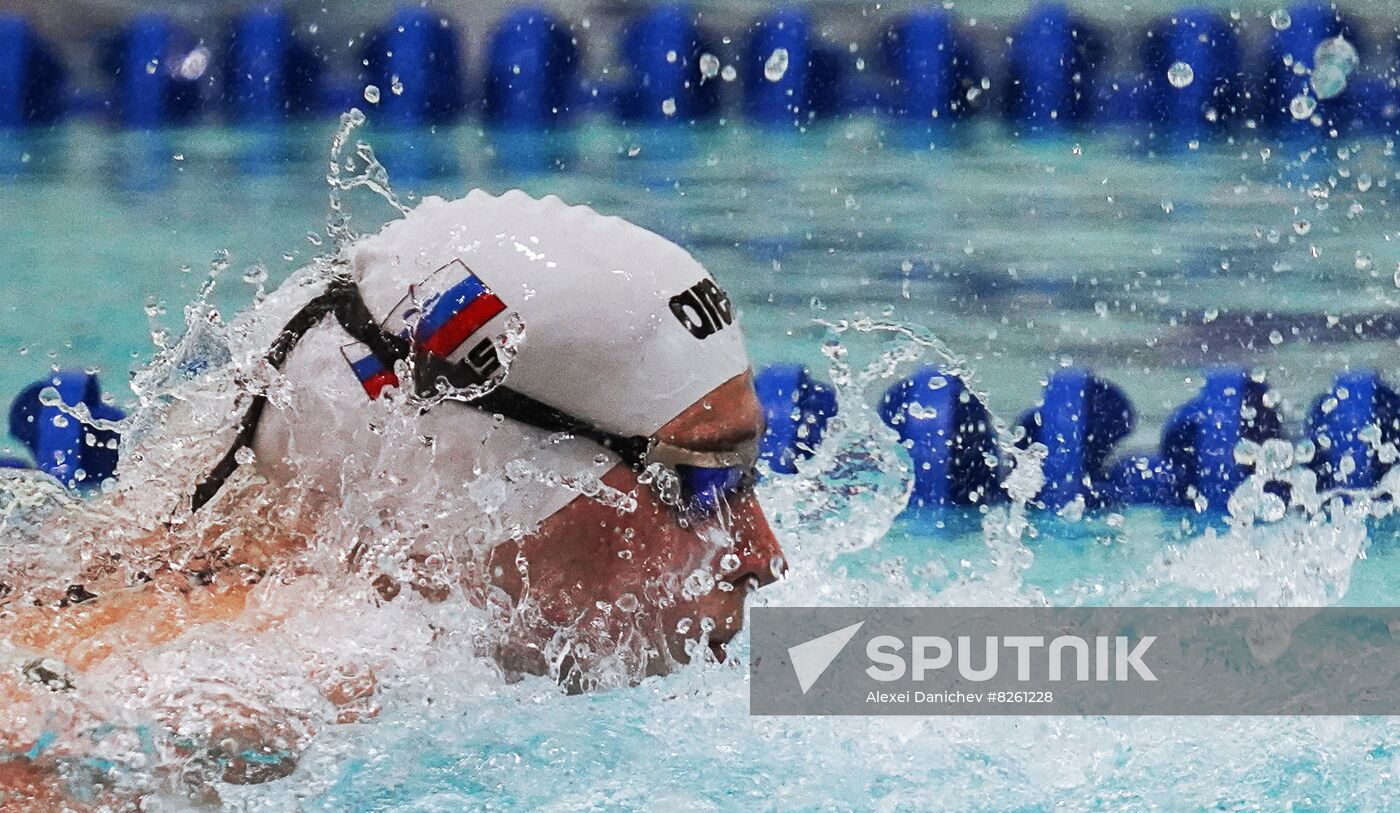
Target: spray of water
306,669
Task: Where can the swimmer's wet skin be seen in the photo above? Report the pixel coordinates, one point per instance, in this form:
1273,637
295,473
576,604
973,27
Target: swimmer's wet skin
636,531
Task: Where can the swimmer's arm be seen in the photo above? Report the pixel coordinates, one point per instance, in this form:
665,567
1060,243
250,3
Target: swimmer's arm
26,787
140,617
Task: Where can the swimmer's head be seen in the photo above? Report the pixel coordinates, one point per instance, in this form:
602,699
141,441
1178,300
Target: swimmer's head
598,319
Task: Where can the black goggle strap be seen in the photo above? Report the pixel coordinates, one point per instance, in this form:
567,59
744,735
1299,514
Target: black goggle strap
342,298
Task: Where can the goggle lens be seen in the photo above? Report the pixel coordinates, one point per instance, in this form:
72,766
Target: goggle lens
705,489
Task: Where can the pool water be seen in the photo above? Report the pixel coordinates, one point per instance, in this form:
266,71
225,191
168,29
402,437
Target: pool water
1021,256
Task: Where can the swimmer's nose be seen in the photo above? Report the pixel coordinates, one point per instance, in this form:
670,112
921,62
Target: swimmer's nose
760,556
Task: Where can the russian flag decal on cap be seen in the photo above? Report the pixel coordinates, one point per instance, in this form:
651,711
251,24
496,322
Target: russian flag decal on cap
445,310
374,375
442,313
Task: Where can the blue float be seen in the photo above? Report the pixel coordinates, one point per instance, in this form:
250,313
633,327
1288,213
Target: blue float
950,439
796,407
531,71
662,50
268,74
931,69
415,62
153,86
788,79
1202,99
1348,425
31,77
1199,440
1052,63
1141,479
1079,419
76,454
1309,24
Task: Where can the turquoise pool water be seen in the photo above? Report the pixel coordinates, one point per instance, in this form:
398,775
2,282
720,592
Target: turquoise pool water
1022,257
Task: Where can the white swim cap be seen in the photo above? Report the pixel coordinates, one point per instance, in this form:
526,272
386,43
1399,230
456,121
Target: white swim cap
622,329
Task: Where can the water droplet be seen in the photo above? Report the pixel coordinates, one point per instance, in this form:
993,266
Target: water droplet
372,94
776,66
668,107
1362,261
671,57
396,87
1180,74
1302,227
709,66
1327,81
728,74
1302,106
1275,337
1280,19
1334,60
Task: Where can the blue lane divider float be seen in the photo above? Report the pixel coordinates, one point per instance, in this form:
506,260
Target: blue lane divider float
31,77
1196,463
269,75
1055,69
949,435
796,407
1079,419
1350,425
1308,25
148,60
1052,63
788,78
415,63
531,71
666,81
74,453
931,69
1191,64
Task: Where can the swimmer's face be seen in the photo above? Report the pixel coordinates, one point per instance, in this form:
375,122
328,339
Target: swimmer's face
647,582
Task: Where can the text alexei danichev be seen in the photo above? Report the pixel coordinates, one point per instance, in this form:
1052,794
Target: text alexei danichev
960,698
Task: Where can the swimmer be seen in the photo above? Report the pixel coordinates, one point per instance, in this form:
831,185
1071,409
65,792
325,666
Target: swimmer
567,392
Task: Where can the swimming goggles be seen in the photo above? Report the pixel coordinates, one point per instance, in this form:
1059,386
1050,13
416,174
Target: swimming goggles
703,482
698,484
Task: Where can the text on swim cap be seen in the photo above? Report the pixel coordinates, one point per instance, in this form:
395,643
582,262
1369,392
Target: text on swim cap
703,309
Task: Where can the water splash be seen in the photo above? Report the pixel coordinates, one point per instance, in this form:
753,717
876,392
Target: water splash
375,704
346,172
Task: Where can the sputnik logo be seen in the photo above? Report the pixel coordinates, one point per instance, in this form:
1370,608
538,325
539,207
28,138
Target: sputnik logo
810,659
